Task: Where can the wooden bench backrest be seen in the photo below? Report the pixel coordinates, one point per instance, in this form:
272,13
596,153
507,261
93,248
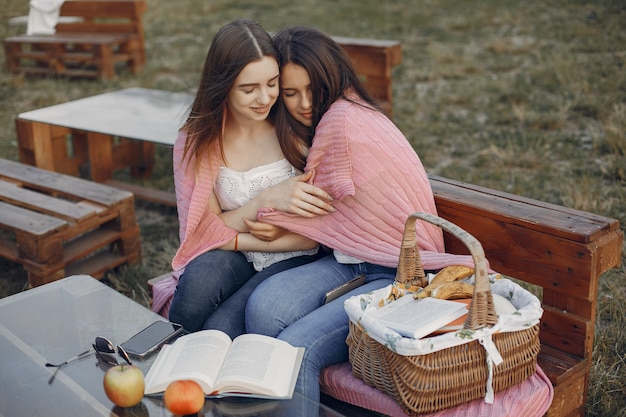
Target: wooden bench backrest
561,250
103,16
568,250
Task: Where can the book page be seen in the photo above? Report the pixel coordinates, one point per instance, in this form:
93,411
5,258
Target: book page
198,356
260,365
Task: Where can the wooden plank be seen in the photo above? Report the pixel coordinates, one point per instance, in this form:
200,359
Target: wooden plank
18,219
42,147
146,194
98,27
96,265
585,308
100,149
567,332
59,39
43,203
96,8
87,244
64,185
25,145
560,366
549,218
556,262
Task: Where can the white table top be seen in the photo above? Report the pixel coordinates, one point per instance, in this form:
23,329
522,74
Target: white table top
133,113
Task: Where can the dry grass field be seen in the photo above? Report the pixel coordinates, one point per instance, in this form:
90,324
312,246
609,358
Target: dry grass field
525,97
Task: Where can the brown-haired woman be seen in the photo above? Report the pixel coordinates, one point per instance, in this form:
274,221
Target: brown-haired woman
229,163
376,180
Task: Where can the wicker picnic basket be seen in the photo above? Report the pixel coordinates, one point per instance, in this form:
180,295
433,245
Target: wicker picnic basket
445,378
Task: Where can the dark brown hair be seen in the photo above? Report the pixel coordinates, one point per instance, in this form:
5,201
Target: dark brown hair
331,72
234,46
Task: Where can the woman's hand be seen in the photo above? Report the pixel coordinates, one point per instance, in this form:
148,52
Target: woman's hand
297,196
264,231
294,196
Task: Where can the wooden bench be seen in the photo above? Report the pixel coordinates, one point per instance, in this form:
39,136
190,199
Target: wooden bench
109,32
57,225
374,59
561,251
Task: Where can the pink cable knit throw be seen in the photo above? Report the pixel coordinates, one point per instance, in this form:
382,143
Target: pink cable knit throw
200,229
377,180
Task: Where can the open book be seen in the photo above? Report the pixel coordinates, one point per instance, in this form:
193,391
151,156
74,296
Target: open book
251,365
417,318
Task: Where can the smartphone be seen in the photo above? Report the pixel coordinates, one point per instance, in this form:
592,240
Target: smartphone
151,338
342,289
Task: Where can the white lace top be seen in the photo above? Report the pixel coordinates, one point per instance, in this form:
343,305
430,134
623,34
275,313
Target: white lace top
234,189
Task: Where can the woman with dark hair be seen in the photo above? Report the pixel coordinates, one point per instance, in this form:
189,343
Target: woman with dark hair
228,163
376,180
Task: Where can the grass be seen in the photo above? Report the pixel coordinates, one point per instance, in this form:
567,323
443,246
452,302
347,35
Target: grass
524,97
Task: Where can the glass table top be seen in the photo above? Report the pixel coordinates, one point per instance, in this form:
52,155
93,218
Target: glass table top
56,321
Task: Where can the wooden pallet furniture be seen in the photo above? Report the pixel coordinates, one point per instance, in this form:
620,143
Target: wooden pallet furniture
374,60
561,251
96,136
57,225
109,32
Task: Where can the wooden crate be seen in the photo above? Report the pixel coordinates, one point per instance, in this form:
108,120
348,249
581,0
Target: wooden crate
57,225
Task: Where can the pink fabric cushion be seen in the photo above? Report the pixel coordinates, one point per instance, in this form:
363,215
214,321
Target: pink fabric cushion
530,398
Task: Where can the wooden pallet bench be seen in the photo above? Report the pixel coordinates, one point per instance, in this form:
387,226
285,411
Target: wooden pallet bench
108,33
561,251
374,60
57,225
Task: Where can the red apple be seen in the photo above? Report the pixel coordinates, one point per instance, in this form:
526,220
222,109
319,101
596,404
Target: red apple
184,397
124,385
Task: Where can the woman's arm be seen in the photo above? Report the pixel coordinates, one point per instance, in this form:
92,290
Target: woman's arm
285,243
293,195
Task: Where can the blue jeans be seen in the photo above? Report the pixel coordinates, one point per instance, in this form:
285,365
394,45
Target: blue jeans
289,306
214,288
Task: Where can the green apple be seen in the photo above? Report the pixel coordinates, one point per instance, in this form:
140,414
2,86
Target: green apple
124,385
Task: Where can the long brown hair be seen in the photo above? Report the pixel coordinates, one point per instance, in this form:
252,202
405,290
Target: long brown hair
234,46
330,70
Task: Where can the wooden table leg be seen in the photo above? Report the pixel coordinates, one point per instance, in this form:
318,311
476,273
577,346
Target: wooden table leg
142,161
104,61
35,144
100,150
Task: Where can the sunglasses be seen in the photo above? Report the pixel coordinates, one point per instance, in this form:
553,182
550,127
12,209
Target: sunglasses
103,349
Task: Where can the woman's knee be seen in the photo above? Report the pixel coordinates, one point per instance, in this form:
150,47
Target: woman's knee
260,312
207,281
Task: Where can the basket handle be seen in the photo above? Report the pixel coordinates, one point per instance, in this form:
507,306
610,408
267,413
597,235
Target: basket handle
410,270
